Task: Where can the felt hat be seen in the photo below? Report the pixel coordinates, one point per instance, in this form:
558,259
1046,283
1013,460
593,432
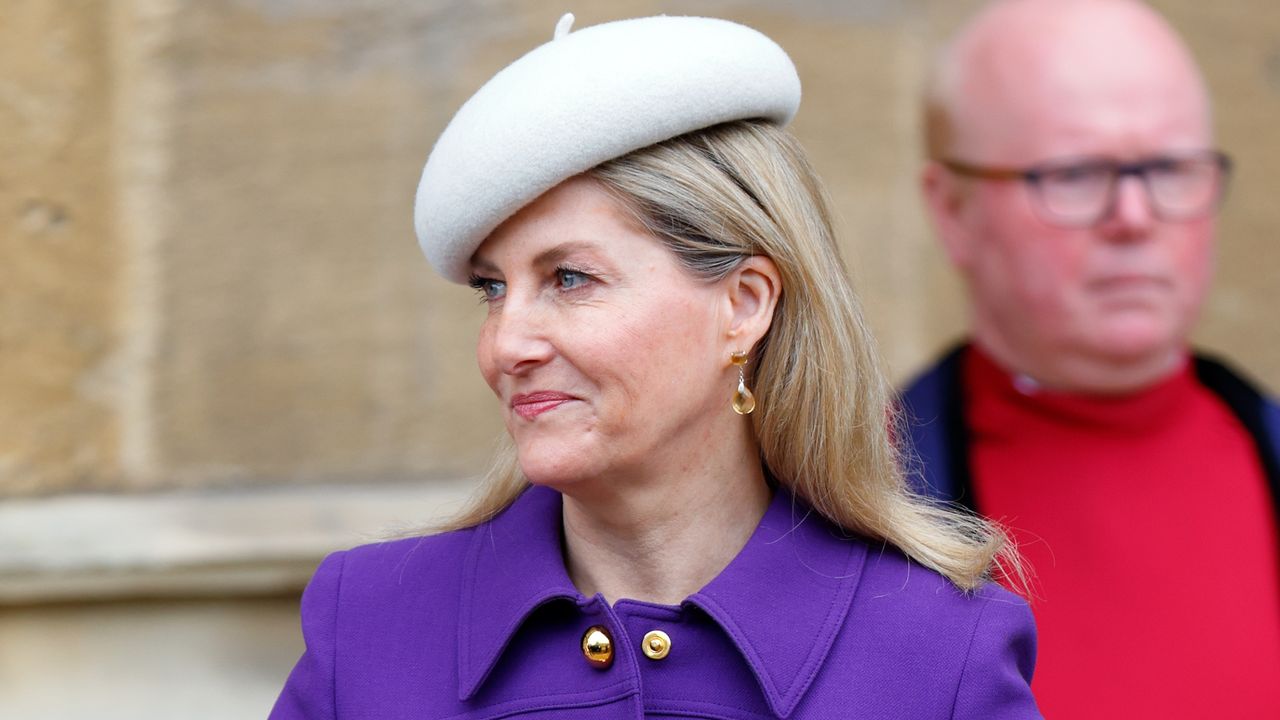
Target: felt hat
582,99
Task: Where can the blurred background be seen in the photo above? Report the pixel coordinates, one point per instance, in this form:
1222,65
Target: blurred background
222,355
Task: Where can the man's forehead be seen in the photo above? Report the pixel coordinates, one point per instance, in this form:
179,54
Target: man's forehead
1087,71
1076,116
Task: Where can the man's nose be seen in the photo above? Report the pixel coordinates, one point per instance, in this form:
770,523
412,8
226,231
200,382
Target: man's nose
1132,214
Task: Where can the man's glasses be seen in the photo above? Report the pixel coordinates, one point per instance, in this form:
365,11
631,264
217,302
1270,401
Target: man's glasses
1081,192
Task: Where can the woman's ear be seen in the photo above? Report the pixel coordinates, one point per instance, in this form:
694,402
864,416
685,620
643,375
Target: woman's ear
754,288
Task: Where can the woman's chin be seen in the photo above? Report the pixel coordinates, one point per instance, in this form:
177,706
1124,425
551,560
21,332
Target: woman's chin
558,472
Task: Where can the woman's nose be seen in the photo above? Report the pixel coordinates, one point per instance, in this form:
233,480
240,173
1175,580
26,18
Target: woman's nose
517,335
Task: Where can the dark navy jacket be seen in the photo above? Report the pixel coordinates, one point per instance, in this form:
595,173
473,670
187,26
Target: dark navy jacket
933,408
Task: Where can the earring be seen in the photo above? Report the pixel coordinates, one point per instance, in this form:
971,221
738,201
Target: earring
743,401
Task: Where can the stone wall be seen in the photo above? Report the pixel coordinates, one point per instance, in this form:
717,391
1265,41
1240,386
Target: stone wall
211,289
62,254
212,276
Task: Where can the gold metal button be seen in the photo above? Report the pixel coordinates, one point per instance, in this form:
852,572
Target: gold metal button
656,644
597,647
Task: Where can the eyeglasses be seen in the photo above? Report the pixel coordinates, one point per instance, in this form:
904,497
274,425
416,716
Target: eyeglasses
1081,192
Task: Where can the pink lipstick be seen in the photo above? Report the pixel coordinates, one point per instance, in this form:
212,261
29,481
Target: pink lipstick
531,405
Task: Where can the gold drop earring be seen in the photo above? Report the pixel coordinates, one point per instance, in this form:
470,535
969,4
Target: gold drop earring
743,401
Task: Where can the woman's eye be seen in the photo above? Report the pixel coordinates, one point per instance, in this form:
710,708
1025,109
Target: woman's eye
570,279
493,289
489,289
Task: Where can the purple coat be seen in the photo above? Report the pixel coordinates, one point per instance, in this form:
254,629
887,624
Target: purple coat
805,622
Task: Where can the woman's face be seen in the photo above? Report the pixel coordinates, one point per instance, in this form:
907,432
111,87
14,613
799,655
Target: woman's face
607,357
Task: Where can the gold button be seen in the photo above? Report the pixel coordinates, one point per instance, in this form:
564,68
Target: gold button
597,647
656,645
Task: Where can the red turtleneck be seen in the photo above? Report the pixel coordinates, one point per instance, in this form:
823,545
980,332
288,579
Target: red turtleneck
1147,522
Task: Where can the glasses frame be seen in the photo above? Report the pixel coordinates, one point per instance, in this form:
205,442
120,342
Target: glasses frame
1034,175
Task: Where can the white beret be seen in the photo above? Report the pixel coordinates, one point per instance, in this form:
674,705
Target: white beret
580,100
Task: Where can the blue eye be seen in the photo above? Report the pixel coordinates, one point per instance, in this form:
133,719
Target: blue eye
570,279
488,288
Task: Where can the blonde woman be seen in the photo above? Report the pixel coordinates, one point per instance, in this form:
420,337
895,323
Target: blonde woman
703,514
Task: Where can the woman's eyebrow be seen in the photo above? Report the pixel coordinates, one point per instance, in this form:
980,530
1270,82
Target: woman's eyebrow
482,265
553,255
550,256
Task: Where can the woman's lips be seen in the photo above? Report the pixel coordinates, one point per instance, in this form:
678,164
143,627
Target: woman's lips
531,405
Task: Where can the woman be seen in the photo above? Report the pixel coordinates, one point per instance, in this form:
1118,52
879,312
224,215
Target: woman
703,515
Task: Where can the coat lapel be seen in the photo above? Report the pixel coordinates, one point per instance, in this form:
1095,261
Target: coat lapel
513,566
784,598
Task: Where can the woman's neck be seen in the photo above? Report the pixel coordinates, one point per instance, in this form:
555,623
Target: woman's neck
662,539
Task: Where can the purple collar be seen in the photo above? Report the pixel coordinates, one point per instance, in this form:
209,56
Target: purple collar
795,565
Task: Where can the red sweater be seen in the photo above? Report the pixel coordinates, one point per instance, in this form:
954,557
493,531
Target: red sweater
1149,527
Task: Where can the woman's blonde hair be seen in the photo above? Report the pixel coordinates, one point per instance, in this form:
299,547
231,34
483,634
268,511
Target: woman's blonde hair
825,417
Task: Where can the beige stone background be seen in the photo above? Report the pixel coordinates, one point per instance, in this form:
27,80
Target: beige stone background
221,354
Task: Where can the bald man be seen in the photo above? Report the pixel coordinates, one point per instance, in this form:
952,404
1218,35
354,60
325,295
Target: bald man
1074,182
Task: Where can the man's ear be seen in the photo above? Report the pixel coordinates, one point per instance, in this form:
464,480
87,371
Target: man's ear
945,196
752,291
